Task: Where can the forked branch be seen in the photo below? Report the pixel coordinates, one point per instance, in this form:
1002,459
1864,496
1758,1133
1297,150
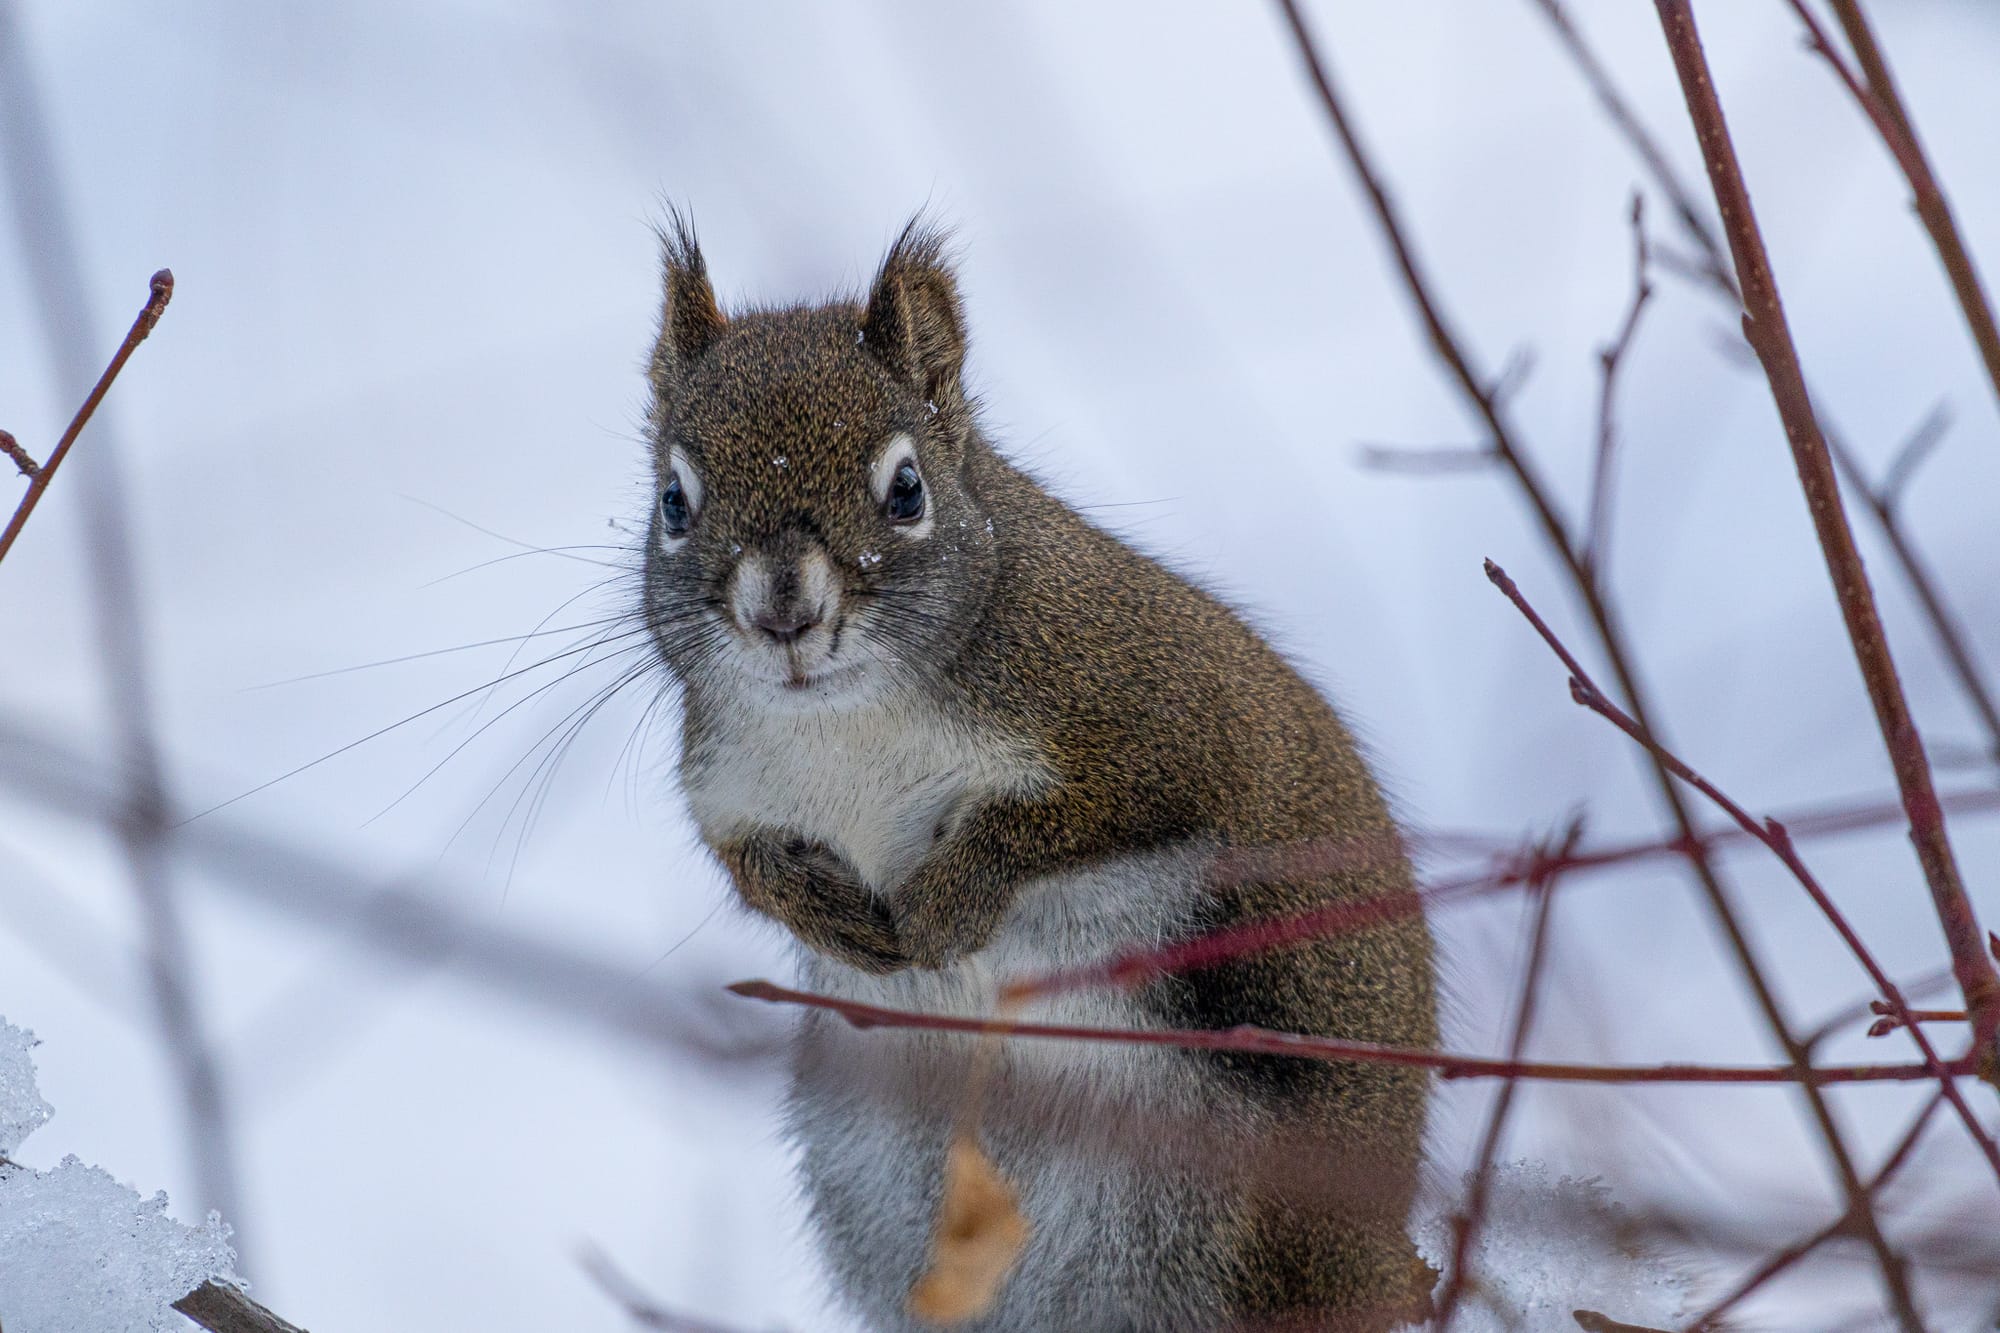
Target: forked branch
1768,334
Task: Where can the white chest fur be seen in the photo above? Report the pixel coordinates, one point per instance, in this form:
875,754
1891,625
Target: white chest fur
1112,1148
873,780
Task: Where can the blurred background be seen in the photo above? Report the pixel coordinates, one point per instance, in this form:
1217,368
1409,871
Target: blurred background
394,409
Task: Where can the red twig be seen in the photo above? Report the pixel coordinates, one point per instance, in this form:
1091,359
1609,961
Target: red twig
1883,104
1927,984
1508,870
1713,271
1490,409
1770,832
1770,337
1262,1041
1824,821
40,477
1138,966
1892,1018
1597,519
1467,1225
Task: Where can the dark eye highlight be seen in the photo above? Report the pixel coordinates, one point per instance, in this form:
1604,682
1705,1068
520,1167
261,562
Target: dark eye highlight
675,517
905,503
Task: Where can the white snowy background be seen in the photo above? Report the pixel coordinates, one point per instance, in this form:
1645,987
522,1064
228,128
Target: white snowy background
416,279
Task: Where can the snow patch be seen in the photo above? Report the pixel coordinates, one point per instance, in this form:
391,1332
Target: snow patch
22,1110
79,1251
1552,1246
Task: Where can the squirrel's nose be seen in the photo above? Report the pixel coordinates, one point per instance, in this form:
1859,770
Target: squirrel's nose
784,627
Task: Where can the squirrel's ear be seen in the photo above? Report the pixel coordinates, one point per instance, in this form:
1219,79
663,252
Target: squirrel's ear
914,322
691,319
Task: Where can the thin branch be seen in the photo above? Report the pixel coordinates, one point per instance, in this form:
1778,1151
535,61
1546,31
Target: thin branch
40,477
1506,869
1770,832
639,1307
1892,1018
1884,503
1713,264
408,920
1451,354
1610,359
1263,1041
1713,270
48,236
1765,326
1432,461
1818,822
1883,103
221,1308
1467,1225
1928,984
1917,448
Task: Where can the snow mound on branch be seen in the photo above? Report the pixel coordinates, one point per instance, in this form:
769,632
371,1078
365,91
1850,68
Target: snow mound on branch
80,1252
1550,1247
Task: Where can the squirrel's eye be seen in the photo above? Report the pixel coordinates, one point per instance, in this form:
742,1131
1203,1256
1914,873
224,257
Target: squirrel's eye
675,519
906,495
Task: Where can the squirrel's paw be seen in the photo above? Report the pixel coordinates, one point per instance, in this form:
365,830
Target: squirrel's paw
938,921
814,892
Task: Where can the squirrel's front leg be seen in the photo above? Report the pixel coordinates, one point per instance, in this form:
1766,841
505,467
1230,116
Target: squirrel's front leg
955,899
810,889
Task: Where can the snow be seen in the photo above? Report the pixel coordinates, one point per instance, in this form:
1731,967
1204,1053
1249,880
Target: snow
1552,1246
81,1252
22,1110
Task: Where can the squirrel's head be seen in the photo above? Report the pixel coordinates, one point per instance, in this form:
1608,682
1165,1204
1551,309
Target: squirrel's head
812,534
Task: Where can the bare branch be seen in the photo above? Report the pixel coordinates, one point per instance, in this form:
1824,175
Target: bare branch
40,477
1597,521
1473,1216
1922,442
1713,272
1263,1041
1770,832
221,1308
1541,501
1765,326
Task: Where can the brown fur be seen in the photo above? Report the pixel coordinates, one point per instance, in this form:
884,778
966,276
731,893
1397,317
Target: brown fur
1163,717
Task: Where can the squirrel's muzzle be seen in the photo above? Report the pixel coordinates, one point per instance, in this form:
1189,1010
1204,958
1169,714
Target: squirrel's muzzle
784,591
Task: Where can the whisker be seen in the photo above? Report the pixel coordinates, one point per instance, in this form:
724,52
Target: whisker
383,731
485,531
523,555
495,720
434,652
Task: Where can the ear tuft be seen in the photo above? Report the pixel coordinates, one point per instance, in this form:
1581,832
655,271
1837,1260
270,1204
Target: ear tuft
690,320
914,321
